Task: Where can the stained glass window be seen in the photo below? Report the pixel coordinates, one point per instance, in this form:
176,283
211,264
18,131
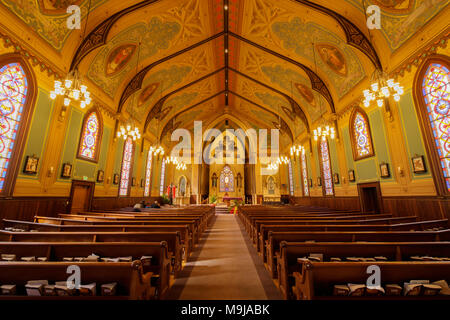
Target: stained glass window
163,173
148,174
436,94
126,167
305,176
326,168
90,136
13,94
291,180
226,180
362,140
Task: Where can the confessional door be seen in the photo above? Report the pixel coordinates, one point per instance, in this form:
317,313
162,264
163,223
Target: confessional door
81,195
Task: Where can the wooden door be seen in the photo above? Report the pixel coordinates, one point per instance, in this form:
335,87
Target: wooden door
81,196
370,197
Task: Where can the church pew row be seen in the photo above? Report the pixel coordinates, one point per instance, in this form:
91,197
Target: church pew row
297,227
287,262
250,222
132,282
193,228
173,240
55,252
272,245
255,230
186,236
316,279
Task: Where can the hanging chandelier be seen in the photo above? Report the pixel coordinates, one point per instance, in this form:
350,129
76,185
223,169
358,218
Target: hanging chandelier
274,165
72,88
297,149
180,165
382,88
156,150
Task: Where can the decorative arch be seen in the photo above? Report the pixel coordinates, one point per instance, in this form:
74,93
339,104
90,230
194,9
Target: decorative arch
431,88
90,136
226,180
17,100
361,135
325,166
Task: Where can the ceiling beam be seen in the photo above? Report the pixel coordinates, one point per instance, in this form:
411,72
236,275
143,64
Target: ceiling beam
135,84
226,27
98,36
295,107
156,109
317,83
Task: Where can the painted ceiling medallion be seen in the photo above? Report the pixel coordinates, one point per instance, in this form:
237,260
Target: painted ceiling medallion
57,7
118,58
333,58
289,113
306,93
395,6
147,93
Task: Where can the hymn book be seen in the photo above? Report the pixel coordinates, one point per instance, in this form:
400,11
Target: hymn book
109,289
8,289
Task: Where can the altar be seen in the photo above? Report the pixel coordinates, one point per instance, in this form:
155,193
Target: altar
228,200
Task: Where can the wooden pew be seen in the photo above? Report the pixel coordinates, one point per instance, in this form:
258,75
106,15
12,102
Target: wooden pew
133,283
394,251
193,228
186,236
56,251
272,245
173,240
420,226
316,279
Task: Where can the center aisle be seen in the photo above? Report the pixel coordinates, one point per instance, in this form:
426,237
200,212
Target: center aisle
224,266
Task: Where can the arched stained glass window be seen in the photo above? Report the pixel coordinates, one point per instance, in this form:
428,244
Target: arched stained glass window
434,104
226,180
361,137
90,137
127,160
291,180
305,176
163,174
326,168
15,91
148,174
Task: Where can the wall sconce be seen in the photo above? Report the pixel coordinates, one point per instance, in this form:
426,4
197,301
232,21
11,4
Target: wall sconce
50,171
344,180
108,180
400,171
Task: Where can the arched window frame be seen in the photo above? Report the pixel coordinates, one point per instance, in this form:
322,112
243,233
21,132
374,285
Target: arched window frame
322,169
427,133
99,135
304,174
130,172
162,177
356,157
291,178
22,133
148,174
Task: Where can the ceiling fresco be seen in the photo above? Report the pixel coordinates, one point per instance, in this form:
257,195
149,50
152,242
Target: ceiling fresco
48,18
401,19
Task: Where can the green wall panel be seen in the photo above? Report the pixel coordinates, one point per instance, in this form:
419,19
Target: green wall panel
71,141
118,156
334,156
348,152
366,170
84,169
38,132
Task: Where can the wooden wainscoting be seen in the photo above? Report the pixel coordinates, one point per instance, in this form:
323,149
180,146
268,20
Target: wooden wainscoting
109,203
338,203
426,208
25,208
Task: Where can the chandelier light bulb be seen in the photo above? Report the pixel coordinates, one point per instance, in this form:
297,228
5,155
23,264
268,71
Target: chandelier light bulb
82,104
374,86
396,97
53,95
76,94
380,103
66,102
83,89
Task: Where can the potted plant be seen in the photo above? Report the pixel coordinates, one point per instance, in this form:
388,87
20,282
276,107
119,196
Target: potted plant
213,200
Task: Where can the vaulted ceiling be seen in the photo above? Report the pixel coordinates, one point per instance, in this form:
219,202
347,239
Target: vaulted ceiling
266,62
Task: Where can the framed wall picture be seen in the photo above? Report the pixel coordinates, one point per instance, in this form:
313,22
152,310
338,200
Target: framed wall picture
142,183
133,182
319,181
384,170
100,176
336,178
66,171
116,178
310,182
31,165
351,175
418,164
